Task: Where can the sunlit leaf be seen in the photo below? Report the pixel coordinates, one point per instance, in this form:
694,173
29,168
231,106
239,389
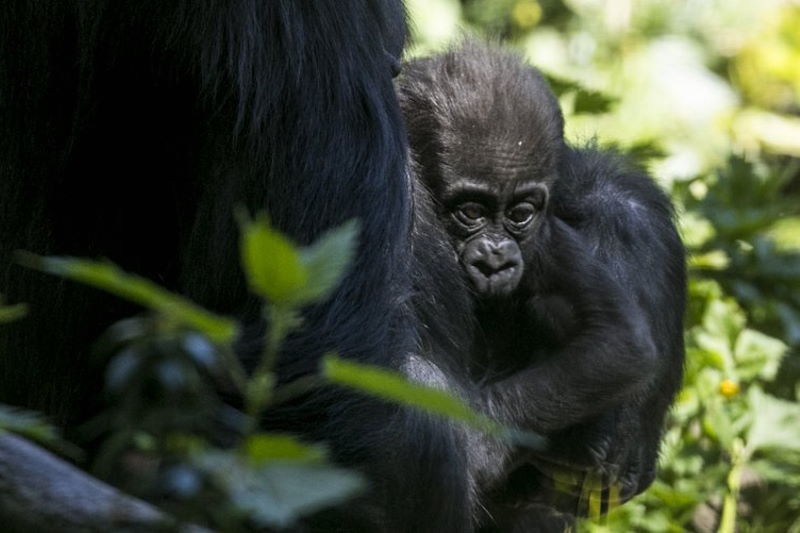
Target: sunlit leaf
715,350
271,262
327,261
783,469
718,425
758,355
674,498
392,386
779,133
262,448
776,423
786,233
713,260
289,275
723,319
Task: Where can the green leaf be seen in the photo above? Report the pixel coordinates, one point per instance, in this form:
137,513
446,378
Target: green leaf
258,391
392,386
277,494
715,351
592,102
707,383
673,497
782,468
586,100
287,275
27,424
786,233
724,319
35,427
559,85
758,355
645,150
776,423
10,313
328,259
271,262
713,260
262,448
696,230
109,277
718,424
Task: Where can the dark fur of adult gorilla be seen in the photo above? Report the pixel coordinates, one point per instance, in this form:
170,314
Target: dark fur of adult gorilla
577,274
131,130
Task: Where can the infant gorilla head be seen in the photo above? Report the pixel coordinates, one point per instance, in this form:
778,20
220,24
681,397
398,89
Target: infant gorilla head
487,134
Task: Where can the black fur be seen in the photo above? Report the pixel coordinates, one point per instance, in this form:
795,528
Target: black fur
585,345
130,130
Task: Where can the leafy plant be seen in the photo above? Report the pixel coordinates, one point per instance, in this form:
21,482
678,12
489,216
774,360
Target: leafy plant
165,369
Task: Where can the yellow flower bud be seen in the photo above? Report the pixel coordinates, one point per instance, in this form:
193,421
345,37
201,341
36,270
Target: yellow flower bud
526,14
728,388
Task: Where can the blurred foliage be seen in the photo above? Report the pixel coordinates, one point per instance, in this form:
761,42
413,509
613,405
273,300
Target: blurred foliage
9,313
706,93
182,422
35,427
175,387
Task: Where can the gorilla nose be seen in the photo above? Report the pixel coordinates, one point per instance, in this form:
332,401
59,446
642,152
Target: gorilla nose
495,257
495,268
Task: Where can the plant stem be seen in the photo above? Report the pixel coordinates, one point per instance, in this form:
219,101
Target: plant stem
260,387
727,523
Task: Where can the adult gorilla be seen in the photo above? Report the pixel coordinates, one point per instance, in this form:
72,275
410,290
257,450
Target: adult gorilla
130,130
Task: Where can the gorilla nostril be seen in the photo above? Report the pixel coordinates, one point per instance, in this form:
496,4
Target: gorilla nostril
484,268
493,265
507,266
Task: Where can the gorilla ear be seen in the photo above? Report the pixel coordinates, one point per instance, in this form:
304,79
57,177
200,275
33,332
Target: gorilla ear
395,65
540,195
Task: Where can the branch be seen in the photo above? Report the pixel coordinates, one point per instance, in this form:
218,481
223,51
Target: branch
40,492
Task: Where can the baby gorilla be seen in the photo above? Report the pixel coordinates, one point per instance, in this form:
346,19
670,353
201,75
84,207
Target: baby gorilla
573,260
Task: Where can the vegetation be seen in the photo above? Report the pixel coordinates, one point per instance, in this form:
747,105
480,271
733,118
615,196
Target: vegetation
167,368
705,94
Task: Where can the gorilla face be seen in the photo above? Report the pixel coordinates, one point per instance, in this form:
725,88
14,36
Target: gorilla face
487,139
491,222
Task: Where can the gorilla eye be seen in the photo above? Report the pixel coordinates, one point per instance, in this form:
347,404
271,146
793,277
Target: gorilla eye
470,213
521,213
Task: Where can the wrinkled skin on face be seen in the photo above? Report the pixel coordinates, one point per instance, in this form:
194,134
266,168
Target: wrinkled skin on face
491,225
487,136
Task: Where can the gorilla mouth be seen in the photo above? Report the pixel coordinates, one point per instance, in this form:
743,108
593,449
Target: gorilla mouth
494,282
488,271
